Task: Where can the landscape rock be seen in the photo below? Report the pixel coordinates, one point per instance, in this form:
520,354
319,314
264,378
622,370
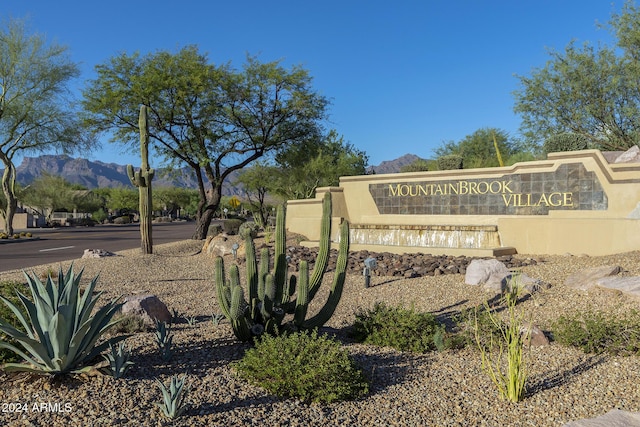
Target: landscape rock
526,284
148,306
627,285
96,253
586,279
222,245
632,155
613,418
486,271
537,337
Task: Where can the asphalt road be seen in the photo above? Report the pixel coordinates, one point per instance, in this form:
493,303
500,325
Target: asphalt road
62,244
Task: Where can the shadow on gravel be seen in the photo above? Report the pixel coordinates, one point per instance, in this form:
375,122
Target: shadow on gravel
537,385
209,408
193,358
394,365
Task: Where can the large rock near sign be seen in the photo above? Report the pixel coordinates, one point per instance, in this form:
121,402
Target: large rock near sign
148,307
586,279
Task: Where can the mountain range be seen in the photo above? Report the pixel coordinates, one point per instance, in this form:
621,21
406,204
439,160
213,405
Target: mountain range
97,174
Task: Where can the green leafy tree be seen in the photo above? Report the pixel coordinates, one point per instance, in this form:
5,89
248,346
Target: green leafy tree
420,165
254,181
213,119
173,199
317,162
587,91
36,113
478,149
49,193
119,198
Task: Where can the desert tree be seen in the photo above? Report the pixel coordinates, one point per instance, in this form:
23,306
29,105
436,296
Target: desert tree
318,161
36,108
586,90
213,119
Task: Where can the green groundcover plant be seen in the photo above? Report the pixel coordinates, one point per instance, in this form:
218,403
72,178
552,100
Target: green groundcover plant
597,332
309,366
403,329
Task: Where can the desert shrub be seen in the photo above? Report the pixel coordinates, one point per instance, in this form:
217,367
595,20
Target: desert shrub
232,226
248,229
308,366
8,291
82,222
449,162
565,142
128,324
597,332
100,215
125,219
214,230
402,329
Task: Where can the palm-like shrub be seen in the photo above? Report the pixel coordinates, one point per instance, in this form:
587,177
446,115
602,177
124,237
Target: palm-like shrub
59,331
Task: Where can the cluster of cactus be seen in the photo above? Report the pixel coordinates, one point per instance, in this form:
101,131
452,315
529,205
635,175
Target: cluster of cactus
271,294
142,180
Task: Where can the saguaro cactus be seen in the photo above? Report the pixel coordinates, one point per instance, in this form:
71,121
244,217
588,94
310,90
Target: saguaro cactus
271,293
142,180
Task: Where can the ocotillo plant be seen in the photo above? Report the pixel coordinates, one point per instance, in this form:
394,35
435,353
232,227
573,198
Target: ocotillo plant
271,294
142,180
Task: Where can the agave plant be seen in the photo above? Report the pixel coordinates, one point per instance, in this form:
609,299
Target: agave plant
118,359
59,332
173,398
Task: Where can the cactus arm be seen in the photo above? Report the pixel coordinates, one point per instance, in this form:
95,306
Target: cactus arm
335,293
221,288
267,302
252,269
323,251
238,321
279,255
302,300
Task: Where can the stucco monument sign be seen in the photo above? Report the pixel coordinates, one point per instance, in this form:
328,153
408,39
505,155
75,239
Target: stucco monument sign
578,202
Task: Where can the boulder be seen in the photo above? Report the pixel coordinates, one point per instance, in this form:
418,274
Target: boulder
613,418
632,155
481,271
96,253
586,279
149,307
526,284
222,245
537,338
627,285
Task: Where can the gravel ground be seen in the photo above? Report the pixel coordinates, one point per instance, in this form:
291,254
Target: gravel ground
438,389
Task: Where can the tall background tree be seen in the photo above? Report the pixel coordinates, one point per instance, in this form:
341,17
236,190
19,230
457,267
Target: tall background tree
478,150
213,119
316,162
587,91
36,109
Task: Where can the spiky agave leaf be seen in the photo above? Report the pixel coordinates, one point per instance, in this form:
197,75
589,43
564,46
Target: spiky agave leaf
60,332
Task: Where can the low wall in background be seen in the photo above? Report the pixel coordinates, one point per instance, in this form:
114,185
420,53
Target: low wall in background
578,202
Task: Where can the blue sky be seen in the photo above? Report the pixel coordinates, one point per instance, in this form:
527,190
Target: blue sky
403,76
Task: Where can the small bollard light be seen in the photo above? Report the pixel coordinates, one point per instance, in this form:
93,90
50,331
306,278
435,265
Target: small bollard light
369,264
234,250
